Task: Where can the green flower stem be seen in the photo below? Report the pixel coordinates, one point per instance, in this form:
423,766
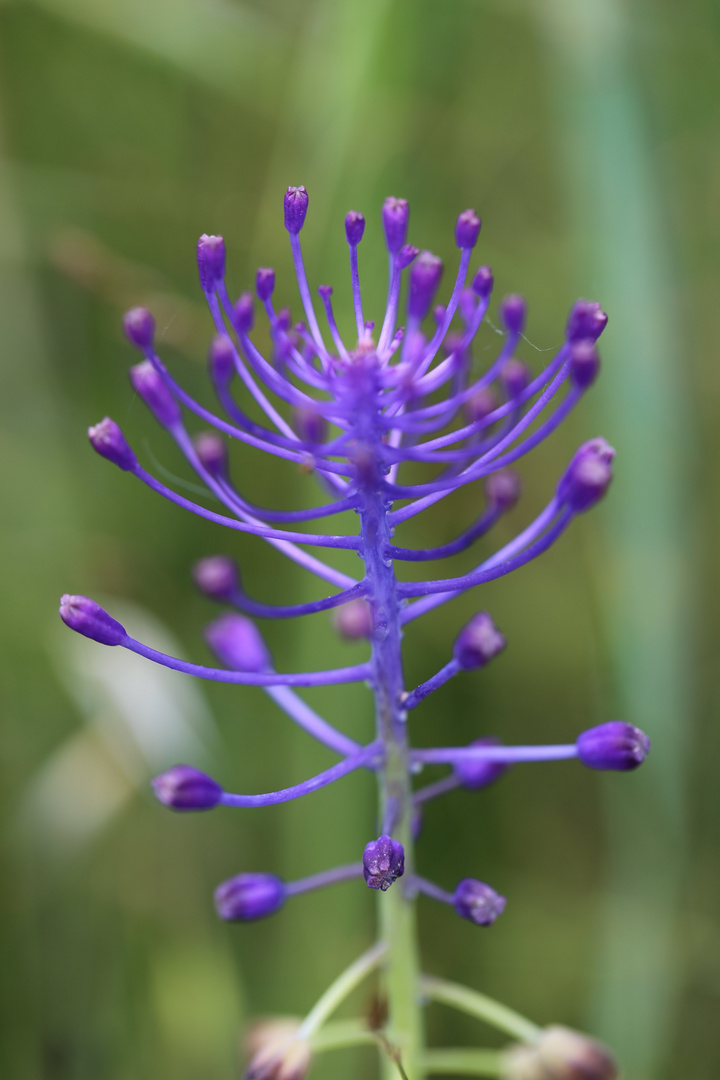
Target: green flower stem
341,1034
462,1062
340,989
482,1007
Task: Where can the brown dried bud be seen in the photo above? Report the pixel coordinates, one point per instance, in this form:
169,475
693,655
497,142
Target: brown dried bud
560,1054
276,1052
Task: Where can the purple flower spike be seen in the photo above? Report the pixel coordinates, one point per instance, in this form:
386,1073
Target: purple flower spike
185,788
107,439
86,617
588,476
383,862
354,227
406,255
512,312
353,621
478,642
467,229
151,388
244,313
311,427
395,214
478,774
586,320
210,261
237,643
216,576
211,452
249,896
584,363
515,377
139,328
503,489
265,283
296,205
482,283
221,360
614,745
424,280
476,901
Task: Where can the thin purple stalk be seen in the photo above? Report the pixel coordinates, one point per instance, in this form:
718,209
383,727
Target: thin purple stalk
429,888
326,877
291,611
305,296
479,528
334,332
305,717
321,780
357,298
388,326
425,689
436,789
504,755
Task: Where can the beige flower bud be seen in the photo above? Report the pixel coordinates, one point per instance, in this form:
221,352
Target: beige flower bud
276,1052
560,1054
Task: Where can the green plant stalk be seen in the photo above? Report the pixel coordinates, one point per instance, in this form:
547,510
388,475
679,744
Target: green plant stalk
465,1062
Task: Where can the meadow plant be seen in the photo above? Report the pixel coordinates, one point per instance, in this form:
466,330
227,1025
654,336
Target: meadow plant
355,416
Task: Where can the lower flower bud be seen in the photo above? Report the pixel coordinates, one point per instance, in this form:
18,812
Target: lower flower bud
560,1054
383,862
478,642
478,902
249,896
615,745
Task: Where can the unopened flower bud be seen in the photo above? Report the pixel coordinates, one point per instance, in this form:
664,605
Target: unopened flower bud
503,489
86,617
586,320
512,312
276,1051
466,305
186,788
478,773
216,576
482,283
383,862
406,255
244,313
614,745
249,896
515,377
588,476
476,901
237,643
424,280
212,452
467,229
310,426
149,385
296,205
478,642
560,1054
584,363
354,227
107,439
210,261
353,620
265,283
221,359
139,327
395,215
481,404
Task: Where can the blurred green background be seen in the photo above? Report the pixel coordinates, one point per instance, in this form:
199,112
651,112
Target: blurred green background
585,132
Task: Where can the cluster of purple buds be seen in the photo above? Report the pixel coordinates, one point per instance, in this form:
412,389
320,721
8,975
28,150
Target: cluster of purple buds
355,411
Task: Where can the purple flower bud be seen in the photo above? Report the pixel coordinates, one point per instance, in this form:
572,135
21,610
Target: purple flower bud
395,215
216,576
212,453
588,476
221,360
237,643
560,1054
477,774
383,862
453,343
406,255
467,229
296,204
249,896
284,319
503,489
586,320
310,426
614,745
107,439
86,617
515,377
353,620
325,291
424,280
466,306
210,261
244,313
354,227
584,363
148,384
139,327
478,642
439,313
482,283
476,901
512,313
481,404
185,788
265,282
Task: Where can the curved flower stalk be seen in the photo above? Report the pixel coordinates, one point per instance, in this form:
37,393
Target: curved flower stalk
354,412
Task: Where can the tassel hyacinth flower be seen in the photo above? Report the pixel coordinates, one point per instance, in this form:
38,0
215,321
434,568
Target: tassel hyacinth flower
355,411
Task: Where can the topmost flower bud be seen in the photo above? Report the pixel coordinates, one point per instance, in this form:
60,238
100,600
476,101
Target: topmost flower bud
354,227
86,617
560,1054
296,204
467,229
478,642
512,313
586,320
265,282
588,476
210,261
424,280
139,327
395,215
